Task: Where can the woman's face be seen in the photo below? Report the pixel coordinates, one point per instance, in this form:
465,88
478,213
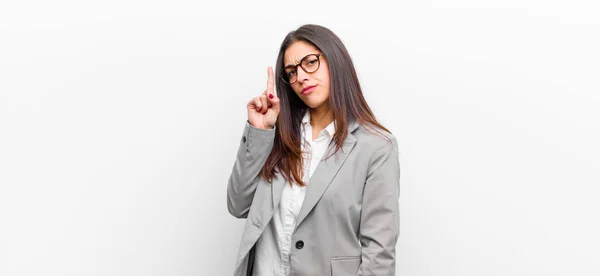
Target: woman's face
312,88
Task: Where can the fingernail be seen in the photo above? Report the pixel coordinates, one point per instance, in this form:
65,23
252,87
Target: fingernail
270,96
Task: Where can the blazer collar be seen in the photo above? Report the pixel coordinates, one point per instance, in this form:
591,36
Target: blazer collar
321,178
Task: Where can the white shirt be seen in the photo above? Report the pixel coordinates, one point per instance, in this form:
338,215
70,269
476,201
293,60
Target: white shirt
274,246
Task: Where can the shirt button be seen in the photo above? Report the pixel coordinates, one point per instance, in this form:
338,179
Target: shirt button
244,139
299,244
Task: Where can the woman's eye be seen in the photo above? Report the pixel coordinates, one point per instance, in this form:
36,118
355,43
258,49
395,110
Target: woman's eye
312,62
291,73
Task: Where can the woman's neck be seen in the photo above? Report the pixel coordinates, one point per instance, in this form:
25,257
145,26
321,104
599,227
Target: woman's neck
320,117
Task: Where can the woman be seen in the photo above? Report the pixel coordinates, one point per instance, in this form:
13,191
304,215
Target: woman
316,176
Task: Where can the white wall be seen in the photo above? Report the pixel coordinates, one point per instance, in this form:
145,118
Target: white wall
119,123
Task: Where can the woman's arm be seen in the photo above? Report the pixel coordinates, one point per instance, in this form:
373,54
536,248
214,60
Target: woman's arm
380,222
255,147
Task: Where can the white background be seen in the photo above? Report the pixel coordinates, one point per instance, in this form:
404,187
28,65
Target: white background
120,120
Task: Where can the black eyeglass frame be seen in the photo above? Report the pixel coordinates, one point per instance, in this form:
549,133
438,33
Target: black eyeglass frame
300,64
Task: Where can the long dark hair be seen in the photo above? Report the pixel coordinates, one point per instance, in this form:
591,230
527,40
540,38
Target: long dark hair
346,102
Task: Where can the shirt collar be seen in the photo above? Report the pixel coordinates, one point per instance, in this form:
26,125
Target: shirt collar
330,128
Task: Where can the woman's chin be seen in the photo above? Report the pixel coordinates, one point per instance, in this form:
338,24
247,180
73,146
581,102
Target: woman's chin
312,103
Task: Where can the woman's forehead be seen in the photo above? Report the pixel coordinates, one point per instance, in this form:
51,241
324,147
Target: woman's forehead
297,51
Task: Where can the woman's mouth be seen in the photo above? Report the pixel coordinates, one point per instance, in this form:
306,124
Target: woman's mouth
308,90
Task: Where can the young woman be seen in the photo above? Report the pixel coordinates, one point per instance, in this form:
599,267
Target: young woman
316,176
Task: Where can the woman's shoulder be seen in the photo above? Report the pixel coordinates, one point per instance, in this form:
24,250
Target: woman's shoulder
374,137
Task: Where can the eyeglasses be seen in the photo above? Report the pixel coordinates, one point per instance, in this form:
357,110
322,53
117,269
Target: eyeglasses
309,64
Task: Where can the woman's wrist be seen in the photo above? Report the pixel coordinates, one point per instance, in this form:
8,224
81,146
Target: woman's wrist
267,127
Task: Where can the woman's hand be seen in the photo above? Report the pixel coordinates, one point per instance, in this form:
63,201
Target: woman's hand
264,109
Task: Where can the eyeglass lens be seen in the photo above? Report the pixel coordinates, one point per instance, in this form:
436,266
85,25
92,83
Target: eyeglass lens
309,64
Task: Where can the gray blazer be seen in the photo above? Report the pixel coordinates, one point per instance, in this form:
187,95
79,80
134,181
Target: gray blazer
349,221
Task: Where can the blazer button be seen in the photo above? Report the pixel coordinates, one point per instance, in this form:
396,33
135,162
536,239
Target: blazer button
299,244
244,139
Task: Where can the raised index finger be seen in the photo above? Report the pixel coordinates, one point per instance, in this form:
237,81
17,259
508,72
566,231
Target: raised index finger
270,81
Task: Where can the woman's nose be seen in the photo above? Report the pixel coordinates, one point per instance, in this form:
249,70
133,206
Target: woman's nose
301,74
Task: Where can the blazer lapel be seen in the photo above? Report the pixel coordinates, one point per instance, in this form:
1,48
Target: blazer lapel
324,174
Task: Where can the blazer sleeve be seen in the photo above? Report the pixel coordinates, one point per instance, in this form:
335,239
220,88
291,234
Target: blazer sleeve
255,146
380,219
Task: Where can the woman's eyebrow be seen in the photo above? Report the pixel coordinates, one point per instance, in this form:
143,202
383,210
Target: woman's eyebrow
298,62
290,65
